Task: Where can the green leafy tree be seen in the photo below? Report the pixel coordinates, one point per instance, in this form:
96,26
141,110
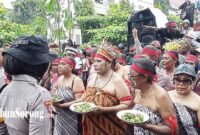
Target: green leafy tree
10,30
24,11
84,7
112,25
175,18
31,13
163,5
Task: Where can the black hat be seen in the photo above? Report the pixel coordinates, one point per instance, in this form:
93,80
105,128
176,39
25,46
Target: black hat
32,50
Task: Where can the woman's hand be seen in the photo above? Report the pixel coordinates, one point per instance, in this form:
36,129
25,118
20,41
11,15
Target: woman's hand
63,105
98,110
134,33
142,125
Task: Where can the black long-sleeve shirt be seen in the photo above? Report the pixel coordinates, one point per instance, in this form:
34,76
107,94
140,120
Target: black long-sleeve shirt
163,35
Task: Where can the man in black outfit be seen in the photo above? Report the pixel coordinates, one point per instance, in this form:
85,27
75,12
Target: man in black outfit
168,33
187,11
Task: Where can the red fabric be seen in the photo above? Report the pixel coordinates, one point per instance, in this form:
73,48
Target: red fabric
171,120
171,54
171,24
79,55
199,125
128,83
101,57
56,61
92,55
140,70
68,61
150,52
127,98
132,49
191,58
155,78
196,25
81,92
54,78
89,49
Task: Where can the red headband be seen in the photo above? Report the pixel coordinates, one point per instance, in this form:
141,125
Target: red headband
140,70
68,61
191,58
150,52
170,24
101,57
171,54
56,61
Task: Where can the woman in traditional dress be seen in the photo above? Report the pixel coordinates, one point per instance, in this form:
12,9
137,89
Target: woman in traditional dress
187,103
109,92
152,100
192,60
169,62
69,87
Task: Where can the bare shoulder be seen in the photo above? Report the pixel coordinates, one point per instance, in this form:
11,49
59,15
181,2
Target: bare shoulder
197,97
117,78
78,79
171,92
162,93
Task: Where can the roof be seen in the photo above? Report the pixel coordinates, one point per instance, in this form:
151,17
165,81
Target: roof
176,3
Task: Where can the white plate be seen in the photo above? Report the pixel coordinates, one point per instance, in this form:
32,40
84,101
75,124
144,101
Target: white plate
120,113
72,107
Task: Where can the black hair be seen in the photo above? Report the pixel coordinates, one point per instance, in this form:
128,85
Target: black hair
113,64
14,66
71,42
147,65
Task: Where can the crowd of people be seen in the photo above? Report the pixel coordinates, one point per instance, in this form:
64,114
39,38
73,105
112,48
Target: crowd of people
164,84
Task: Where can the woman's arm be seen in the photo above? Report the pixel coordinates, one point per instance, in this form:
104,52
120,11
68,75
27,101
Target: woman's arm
122,93
167,113
78,88
198,111
121,106
138,47
159,129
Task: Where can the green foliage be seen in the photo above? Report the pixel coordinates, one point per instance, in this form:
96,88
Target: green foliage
123,8
31,13
3,13
113,25
163,5
175,18
84,7
39,26
10,30
68,21
115,34
24,11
